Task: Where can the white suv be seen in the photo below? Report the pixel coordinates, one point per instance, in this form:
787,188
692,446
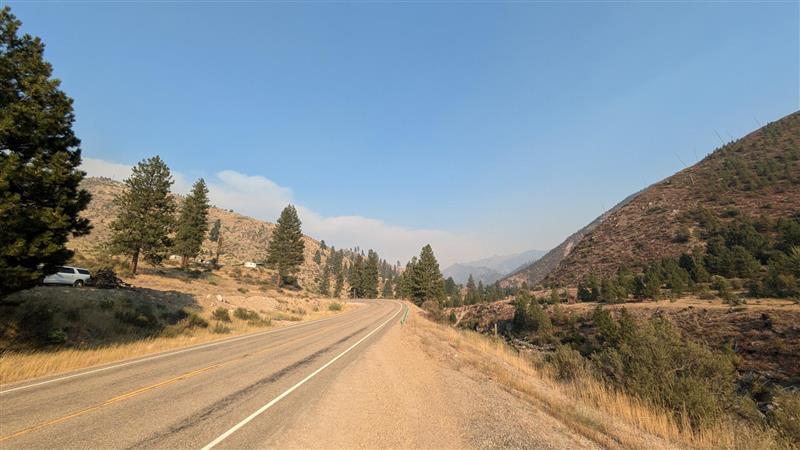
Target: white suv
72,276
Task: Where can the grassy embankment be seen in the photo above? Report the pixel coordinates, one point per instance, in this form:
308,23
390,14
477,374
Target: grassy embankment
51,330
589,406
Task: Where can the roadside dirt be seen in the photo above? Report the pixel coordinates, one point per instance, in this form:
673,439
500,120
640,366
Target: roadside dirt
396,395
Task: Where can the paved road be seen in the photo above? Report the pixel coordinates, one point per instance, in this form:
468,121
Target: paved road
234,394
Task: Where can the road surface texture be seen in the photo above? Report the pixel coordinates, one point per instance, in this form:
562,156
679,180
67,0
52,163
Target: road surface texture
353,380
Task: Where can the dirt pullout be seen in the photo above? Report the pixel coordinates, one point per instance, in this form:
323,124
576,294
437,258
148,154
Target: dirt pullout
395,395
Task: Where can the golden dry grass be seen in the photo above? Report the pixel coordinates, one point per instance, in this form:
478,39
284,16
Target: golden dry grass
607,416
18,366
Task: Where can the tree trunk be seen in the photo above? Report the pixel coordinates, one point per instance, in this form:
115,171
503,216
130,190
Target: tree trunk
135,261
278,280
184,261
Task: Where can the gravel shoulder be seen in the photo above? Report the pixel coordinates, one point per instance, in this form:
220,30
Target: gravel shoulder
398,395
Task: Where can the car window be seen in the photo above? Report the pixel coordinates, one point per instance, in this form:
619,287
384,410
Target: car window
83,271
65,270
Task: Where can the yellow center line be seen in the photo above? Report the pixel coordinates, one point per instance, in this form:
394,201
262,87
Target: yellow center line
142,390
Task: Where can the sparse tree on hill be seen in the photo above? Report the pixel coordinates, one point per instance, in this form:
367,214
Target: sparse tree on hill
325,282
40,197
318,257
286,247
337,290
146,213
215,235
192,223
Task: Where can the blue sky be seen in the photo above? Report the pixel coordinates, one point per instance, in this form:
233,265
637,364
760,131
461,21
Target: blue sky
485,128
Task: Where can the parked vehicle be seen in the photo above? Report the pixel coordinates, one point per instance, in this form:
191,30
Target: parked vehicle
73,276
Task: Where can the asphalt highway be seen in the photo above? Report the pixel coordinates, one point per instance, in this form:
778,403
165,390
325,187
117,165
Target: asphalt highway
237,393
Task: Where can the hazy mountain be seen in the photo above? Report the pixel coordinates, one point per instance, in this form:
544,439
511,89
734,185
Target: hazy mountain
489,270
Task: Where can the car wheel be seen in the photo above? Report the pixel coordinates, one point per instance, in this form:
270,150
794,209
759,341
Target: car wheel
78,283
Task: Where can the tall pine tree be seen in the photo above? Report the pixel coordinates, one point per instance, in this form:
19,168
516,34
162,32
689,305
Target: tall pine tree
428,283
40,198
286,246
215,235
325,281
146,213
192,223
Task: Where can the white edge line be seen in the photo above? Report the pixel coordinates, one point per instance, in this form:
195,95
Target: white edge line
168,353
259,411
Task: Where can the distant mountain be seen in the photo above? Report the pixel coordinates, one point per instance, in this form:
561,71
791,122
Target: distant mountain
756,176
489,270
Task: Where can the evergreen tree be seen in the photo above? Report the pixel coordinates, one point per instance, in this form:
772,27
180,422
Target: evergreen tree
192,223
387,289
369,278
215,235
337,290
318,257
40,198
285,252
325,282
322,245
146,213
472,295
426,280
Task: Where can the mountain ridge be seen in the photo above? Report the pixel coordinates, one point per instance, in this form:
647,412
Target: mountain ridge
756,175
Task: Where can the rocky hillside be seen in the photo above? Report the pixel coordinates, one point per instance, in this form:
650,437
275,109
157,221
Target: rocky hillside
532,274
758,175
244,238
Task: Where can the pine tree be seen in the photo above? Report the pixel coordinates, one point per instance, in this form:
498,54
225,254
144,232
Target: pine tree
325,282
426,279
215,235
146,213
192,223
369,277
472,295
388,292
40,198
286,247
337,290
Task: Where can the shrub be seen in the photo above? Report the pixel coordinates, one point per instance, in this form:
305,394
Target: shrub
530,316
651,360
683,235
243,290
185,326
335,306
433,309
245,314
219,328
221,314
142,316
785,416
568,363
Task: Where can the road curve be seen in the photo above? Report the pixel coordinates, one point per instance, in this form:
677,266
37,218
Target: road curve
202,397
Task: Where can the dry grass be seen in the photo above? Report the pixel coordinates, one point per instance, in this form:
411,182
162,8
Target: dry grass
17,366
589,407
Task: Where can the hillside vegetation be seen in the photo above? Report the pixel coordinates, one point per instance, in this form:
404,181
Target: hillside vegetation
754,179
